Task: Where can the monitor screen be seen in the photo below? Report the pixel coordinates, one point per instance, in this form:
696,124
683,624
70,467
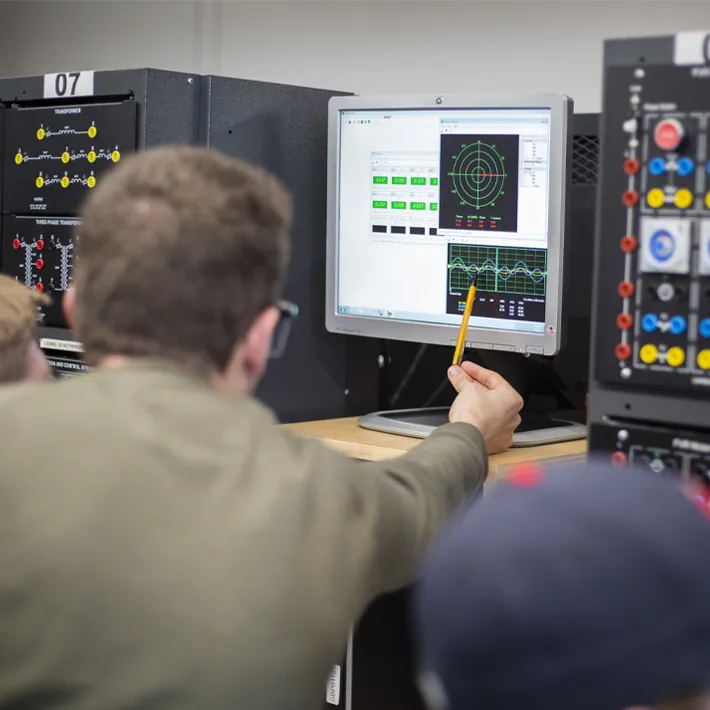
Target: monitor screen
423,199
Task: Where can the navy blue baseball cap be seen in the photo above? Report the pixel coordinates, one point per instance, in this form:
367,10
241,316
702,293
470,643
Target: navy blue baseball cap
580,588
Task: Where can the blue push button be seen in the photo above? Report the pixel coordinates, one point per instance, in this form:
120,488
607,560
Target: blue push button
657,166
705,328
650,322
685,167
678,325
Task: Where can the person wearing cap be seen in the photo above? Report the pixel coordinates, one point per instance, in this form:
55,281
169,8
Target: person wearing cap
20,356
575,589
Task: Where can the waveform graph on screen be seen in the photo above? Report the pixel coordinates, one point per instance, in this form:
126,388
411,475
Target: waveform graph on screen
502,270
479,186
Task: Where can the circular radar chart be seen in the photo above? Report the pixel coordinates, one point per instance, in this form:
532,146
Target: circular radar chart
478,174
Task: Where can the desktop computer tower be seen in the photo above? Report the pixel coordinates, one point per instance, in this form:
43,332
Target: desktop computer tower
60,132
649,399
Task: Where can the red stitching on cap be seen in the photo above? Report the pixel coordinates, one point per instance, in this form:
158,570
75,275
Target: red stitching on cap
525,475
699,495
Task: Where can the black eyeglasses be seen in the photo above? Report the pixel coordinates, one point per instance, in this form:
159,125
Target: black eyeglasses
287,314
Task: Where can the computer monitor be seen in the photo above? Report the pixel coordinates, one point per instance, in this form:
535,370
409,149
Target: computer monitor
426,191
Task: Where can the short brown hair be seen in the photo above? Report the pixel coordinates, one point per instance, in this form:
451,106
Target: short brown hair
18,327
179,250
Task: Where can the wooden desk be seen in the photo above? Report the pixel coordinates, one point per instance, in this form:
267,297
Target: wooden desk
344,435
378,671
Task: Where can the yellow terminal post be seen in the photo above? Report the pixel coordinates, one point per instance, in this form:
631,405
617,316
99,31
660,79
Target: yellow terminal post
649,354
704,359
91,181
656,198
707,200
683,199
40,134
65,157
675,357
19,159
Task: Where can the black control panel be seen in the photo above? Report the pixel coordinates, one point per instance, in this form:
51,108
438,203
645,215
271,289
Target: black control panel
651,322
653,294
54,155
659,448
39,252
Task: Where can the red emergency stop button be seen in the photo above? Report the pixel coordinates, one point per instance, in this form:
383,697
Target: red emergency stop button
668,134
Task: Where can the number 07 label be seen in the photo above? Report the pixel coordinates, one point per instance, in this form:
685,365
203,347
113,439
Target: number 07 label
67,85
692,48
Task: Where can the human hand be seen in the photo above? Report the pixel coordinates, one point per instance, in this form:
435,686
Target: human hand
486,401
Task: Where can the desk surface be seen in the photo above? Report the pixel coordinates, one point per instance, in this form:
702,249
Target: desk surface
344,435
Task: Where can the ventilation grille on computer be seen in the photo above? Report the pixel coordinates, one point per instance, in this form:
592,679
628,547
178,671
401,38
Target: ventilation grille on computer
585,160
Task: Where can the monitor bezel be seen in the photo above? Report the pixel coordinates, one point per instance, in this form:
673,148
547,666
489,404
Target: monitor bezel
546,343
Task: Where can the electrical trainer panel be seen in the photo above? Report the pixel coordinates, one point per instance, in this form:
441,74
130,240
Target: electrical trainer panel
54,155
651,338
39,252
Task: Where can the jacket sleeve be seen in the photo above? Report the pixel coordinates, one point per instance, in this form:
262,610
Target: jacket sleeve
382,516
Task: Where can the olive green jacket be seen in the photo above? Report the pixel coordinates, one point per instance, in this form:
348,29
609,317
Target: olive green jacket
165,547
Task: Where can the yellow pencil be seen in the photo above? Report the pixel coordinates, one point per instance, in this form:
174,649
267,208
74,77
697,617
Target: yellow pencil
461,342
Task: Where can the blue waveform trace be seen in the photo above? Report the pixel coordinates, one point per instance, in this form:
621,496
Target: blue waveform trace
504,272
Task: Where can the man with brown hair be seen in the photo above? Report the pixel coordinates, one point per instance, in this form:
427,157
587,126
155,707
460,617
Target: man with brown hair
167,546
20,356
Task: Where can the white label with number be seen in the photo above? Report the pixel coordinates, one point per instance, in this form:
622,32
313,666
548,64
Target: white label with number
692,48
332,687
67,85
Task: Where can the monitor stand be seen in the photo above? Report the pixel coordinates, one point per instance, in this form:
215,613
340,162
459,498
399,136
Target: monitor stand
535,429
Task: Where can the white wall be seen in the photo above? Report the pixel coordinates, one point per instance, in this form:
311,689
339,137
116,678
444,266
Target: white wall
382,46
